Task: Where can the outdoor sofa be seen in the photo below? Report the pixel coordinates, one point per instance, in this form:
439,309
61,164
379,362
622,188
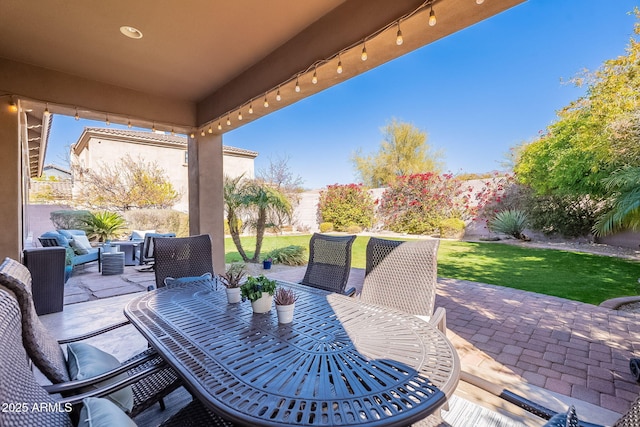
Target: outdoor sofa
76,240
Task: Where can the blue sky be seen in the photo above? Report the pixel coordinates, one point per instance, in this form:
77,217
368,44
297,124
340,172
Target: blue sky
475,93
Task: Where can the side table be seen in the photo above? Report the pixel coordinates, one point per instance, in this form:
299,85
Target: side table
112,263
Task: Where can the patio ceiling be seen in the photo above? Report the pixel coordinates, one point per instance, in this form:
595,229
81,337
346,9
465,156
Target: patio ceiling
201,61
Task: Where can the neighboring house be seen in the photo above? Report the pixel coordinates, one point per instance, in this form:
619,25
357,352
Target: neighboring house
97,146
57,172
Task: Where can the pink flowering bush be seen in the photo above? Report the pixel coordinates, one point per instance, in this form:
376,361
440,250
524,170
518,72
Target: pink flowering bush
345,206
418,203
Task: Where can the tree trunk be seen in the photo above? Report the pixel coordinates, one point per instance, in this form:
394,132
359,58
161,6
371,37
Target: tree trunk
260,226
235,235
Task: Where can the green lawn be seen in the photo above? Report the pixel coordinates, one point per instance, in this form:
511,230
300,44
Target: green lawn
573,275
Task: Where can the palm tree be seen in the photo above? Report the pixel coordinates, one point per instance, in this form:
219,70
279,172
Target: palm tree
624,185
233,194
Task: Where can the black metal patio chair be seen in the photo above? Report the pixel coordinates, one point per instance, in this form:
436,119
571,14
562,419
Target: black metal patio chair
329,263
47,354
180,257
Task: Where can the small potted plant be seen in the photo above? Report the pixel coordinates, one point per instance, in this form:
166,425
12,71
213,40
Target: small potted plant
285,302
231,280
259,290
266,263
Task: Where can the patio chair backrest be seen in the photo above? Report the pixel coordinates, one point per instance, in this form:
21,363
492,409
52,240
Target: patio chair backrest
18,384
147,249
182,257
329,262
43,349
402,275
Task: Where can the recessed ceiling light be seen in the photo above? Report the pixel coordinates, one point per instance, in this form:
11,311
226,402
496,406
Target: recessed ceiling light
131,32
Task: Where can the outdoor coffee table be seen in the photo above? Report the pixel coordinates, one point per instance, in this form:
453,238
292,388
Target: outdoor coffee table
340,362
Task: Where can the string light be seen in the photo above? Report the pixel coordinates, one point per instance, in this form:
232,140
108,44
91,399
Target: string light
432,17
172,132
266,103
107,121
339,70
129,124
399,39
210,129
219,126
13,108
153,127
240,115
297,85
77,116
202,132
192,135
278,97
364,55
479,1
314,79
46,110
250,108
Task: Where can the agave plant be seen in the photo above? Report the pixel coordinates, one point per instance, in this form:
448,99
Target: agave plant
233,275
510,222
103,225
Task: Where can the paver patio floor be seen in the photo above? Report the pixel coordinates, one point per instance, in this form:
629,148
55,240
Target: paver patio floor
535,345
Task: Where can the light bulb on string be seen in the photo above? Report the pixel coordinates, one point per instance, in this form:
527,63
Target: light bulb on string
339,69
107,121
173,133
239,115
266,103
432,17
314,79
129,124
77,116
210,129
250,108
399,39
364,55
153,127
278,97
192,135
202,132
46,110
479,1
228,120
219,126
297,85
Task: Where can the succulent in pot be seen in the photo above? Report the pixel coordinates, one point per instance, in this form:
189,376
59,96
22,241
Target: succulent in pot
259,290
231,280
285,304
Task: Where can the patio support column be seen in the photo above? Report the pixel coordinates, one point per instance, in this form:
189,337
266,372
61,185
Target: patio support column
206,204
11,179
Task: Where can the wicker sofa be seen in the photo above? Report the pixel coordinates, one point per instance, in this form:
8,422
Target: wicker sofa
65,238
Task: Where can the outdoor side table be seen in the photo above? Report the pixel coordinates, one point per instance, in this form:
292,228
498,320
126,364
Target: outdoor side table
340,363
112,263
129,248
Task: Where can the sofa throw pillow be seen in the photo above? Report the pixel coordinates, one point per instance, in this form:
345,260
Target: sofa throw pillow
97,412
80,245
86,361
170,281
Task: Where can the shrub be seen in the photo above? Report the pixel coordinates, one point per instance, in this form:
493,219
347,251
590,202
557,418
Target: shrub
289,255
103,225
452,228
510,222
69,219
325,227
161,220
416,204
345,205
226,226
354,229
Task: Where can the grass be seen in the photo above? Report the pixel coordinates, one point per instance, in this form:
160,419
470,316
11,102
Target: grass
572,275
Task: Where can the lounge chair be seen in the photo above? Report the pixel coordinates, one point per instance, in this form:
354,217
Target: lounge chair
181,257
46,353
329,263
403,275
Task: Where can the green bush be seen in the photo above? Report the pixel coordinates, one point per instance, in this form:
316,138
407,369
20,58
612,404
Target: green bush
452,228
354,229
326,227
161,220
69,219
510,222
226,226
346,205
289,255
104,225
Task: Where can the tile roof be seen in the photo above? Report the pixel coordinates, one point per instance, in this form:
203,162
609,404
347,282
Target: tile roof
162,137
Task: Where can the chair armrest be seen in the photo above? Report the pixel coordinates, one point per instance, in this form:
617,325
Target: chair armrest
77,384
351,292
439,319
94,333
113,387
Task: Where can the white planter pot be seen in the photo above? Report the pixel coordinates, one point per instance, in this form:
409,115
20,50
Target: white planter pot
233,295
285,313
262,305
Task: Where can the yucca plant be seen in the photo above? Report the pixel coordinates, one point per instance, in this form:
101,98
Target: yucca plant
511,222
103,225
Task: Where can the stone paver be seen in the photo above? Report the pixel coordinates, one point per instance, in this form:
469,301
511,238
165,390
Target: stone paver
507,336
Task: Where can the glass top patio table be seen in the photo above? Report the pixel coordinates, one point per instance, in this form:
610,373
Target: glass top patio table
341,362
